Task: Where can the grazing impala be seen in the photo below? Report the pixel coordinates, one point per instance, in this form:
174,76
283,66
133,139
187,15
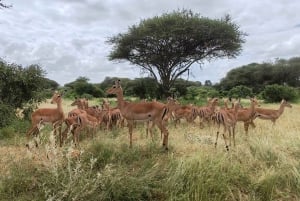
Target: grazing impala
54,116
142,111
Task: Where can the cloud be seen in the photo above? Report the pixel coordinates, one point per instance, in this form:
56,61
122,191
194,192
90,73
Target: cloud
67,38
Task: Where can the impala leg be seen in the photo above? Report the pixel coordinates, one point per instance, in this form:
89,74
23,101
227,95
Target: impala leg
166,138
147,128
150,128
63,136
226,146
76,134
225,140
246,127
164,130
230,135
252,124
30,131
233,135
216,142
130,128
59,132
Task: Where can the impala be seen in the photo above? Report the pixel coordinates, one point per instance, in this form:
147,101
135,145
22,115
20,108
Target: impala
75,124
246,114
270,114
54,116
181,111
205,113
141,111
227,118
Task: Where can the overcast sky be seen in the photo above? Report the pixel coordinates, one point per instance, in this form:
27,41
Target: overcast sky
67,37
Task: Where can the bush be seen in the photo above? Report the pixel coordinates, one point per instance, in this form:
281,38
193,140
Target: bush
240,92
7,115
275,93
200,93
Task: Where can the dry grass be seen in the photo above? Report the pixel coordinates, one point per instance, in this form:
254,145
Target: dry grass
268,152
188,139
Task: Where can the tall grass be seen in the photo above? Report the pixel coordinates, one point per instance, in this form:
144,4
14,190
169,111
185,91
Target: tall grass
263,166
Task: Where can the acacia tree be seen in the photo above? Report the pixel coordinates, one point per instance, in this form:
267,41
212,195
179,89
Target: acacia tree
166,46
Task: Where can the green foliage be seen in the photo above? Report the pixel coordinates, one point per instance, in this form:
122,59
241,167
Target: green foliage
201,93
257,76
25,182
275,93
81,88
21,87
7,114
142,88
240,92
105,172
166,46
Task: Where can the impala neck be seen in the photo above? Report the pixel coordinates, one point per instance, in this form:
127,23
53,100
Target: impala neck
213,106
120,99
252,108
59,106
281,109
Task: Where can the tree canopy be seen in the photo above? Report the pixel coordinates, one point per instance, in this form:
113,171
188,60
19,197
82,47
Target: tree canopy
19,86
166,46
257,76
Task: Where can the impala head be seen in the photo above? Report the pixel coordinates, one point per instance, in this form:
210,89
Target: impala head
76,102
285,103
105,104
214,101
254,101
115,89
237,104
56,98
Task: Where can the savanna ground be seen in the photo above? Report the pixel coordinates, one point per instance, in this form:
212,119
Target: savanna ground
263,166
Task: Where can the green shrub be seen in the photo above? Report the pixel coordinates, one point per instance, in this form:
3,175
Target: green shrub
7,115
24,183
275,93
240,92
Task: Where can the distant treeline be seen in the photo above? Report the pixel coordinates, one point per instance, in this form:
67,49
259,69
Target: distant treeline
251,79
257,76
26,86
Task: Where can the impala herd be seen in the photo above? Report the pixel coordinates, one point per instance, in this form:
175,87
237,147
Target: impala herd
89,119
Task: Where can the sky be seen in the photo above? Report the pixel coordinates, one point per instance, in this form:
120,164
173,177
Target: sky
67,38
